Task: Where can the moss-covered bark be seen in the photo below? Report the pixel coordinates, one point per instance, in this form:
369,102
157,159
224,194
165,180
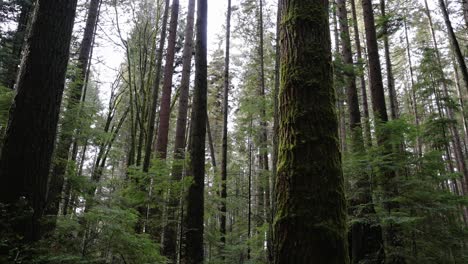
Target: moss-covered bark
310,222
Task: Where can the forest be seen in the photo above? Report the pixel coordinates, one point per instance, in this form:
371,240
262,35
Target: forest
234,131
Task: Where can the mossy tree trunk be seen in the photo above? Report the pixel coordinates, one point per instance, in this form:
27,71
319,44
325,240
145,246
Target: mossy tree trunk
310,222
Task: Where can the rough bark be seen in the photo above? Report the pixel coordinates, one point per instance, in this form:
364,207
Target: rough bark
30,136
170,231
310,222
164,110
195,198
224,139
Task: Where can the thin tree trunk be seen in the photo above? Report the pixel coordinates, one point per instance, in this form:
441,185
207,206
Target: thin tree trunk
388,64
155,90
365,105
224,157
309,188
32,126
195,198
454,43
164,110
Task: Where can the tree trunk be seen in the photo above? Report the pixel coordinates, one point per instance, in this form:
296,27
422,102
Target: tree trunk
29,141
309,188
164,110
222,209
155,90
388,64
365,105
454,43
366,238
18,42
69,123
170,230
389,186
195,197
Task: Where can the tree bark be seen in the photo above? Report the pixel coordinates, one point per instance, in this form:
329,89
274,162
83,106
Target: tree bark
164,110
195,197
309,188
30,137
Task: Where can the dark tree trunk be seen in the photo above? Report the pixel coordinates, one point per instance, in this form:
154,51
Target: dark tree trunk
18,42
69,124
195,197
309,188
222,209
164,110
366,238
387,176
29,142
454,43
365,105
170,231
155,90
388,64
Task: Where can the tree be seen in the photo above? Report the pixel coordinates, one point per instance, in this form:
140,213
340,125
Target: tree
366,238
29,143
224,156
77,89
170,230
387,175
309,187
164,111
195,197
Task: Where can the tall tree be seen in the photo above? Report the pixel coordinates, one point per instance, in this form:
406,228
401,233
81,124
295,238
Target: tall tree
65,141
29,143
155,90
454,43
309,187
362,79
225,128
388,63
366,238
165,109
387,175
170,230
195,198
